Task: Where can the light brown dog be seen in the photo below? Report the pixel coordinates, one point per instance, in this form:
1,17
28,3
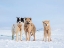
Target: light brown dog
29,28
47,30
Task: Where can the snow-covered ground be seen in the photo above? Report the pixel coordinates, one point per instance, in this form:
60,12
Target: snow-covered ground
57,40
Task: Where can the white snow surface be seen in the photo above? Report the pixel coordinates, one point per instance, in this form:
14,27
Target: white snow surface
57,40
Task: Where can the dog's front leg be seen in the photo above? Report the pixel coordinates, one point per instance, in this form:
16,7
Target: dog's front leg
16,36
29,36
49,36
21,35
45,36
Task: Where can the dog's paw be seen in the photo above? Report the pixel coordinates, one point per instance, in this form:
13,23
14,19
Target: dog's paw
50,39
20,39
43,40
33,39
17,40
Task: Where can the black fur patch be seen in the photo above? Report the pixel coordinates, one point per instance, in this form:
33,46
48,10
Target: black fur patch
17,19
20,19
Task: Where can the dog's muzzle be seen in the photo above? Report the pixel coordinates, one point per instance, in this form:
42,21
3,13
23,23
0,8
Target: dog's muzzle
27,23
19,21
45,25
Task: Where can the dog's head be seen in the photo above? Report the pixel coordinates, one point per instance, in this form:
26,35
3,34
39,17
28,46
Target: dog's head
46,22
28,20
19,20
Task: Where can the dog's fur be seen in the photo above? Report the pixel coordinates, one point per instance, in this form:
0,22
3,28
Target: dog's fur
17,28
47,30
29,29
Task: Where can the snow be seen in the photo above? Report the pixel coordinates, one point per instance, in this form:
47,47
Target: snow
57,40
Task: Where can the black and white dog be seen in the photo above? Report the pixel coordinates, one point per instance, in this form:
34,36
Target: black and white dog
17,28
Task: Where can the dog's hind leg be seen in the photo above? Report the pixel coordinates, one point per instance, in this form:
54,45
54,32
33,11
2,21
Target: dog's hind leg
33,32
26,36
34,36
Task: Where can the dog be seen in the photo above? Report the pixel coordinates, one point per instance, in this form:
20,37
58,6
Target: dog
17,28
47,30
29,29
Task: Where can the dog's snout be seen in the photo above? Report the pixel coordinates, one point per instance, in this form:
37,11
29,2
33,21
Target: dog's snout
27,22
45,24
19,21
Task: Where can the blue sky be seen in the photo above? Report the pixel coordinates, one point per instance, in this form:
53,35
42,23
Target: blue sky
38,10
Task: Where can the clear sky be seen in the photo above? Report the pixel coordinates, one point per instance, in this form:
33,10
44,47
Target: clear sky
38,10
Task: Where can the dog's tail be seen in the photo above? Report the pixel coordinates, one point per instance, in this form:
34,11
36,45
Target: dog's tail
13,32
12,37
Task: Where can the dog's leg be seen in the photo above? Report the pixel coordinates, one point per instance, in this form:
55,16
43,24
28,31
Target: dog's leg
21,35
49,36
34,36
45,36
28,36
16,36
50,39
44,39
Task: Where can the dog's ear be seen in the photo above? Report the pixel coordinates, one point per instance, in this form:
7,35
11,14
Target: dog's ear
17,17
48,20
42,21
30,18
22,19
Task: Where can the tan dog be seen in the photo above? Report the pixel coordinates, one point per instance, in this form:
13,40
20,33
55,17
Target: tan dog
29,28
47,30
